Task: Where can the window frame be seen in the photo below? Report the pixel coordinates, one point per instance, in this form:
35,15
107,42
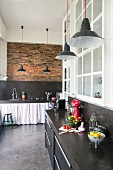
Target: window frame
83,52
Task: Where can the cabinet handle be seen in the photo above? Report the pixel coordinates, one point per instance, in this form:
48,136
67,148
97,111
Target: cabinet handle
63,152
48,139
48,124
57,162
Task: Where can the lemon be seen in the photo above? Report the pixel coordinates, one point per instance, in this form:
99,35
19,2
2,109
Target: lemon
96,135
99,133
92,133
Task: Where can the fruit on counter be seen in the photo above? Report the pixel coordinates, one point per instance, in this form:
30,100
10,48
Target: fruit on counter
76,123
66,126
99,133
70,118
92,133
72,124
97,137
95,134
79,118
74,119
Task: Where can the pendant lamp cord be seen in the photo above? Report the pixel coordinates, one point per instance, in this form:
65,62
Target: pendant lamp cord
47,41
47,36
85,8
22,38
22,32
67,20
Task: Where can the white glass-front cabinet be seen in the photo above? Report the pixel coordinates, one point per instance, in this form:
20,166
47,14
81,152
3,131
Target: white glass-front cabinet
87,69
89,74
89,64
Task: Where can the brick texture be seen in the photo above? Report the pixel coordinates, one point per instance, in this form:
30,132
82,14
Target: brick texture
34,58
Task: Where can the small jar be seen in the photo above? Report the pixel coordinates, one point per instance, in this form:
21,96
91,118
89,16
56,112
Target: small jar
23,95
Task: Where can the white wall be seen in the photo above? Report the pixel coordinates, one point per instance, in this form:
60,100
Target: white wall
29,36
3,51
3,59
2,30
34,36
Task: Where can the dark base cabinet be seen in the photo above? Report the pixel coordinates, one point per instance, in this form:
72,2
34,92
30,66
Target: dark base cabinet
59,159
71,151
49,139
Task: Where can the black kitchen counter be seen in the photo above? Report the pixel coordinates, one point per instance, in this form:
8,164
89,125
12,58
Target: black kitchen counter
82,155
23,101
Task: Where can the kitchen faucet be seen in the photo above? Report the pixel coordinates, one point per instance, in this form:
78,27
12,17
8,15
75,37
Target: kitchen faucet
14,94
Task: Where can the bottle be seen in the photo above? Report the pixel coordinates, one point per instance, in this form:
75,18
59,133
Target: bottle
23,95
92,122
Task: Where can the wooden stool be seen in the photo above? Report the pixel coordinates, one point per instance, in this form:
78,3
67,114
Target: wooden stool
8,119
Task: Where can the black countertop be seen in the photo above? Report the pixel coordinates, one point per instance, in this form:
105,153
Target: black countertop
23,101
82,155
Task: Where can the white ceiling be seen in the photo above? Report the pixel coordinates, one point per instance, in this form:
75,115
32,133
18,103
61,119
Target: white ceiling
33,14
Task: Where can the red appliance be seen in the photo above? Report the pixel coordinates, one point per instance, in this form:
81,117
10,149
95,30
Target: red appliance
76,104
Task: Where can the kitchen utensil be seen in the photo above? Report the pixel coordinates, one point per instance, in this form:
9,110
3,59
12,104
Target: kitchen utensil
68,130
76,104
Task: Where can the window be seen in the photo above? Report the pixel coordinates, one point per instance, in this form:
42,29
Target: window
89,62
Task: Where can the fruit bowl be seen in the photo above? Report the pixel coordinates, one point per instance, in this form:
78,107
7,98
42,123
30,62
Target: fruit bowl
96,137
73,121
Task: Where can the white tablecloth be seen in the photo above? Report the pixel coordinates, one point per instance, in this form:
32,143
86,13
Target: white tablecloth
25,113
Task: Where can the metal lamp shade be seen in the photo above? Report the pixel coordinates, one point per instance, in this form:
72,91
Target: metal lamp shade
86,38
47,70
66,54
21,69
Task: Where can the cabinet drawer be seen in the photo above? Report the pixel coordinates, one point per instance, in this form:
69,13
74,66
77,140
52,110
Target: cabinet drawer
49,131
56,165
49,147
62,159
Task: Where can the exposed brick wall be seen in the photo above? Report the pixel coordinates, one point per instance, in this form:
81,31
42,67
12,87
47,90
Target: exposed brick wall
34,58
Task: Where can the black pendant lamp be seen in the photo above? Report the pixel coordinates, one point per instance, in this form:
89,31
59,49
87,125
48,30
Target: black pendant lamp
46,69
66,54
86,38
21,69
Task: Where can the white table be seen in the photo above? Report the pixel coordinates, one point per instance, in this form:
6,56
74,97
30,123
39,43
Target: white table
25,113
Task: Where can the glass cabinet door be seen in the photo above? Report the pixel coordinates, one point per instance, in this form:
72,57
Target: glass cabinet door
78,8
87,63
89,69
97,60
97,8
80,85
97,26
97,86
87,86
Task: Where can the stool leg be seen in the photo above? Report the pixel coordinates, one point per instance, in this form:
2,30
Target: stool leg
7,118
3,120
11,118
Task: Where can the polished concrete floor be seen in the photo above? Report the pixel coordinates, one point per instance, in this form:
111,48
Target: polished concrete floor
23,148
